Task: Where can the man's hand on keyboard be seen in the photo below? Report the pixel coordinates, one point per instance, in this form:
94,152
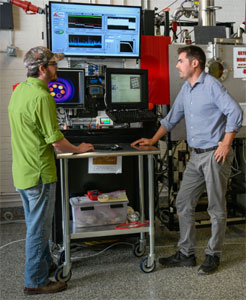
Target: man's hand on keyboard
142,142
84,147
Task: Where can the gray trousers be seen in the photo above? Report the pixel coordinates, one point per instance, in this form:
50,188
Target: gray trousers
202,172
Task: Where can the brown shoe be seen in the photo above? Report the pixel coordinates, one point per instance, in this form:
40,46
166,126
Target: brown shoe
52,269
51,287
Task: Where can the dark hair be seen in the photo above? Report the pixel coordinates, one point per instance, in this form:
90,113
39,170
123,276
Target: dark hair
33,72
194,52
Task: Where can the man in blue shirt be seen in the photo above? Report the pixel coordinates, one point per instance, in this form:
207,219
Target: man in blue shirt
212,119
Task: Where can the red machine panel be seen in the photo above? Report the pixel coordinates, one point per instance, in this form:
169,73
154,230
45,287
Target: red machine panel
154,58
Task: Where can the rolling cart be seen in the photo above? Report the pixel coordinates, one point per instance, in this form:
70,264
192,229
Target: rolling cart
147,264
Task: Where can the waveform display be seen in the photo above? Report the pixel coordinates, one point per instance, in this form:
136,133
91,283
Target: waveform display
75,21
85,41
126,46
119,23
62,90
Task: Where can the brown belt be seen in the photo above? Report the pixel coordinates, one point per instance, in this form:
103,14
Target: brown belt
198,150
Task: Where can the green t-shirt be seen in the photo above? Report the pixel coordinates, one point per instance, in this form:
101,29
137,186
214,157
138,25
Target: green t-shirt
34,127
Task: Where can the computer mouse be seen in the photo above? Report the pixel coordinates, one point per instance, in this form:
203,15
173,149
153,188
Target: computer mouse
116,147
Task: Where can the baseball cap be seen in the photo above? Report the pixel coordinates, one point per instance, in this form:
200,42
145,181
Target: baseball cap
40,56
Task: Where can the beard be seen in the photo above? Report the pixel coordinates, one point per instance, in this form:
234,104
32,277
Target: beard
51,76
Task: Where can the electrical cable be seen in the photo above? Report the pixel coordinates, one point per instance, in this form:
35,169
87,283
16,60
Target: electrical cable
125,243
13,242
244,157
197,247
13,222
102,251
238,172
116,244
168,6
236,168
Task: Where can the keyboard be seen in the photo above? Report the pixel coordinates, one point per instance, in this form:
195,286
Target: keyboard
131,116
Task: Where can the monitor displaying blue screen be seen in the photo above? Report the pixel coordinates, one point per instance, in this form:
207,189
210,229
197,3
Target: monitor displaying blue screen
69,88
94,30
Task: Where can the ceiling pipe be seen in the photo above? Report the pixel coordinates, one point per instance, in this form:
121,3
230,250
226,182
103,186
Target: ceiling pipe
145,4
207,16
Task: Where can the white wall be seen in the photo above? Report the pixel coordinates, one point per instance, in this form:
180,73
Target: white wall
27,33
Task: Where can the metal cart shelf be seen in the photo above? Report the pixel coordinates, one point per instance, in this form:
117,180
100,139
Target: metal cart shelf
70,232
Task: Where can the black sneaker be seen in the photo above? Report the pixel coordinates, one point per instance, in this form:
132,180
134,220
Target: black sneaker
209,265
178,260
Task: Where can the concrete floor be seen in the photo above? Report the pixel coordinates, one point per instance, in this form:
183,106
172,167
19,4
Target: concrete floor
115,274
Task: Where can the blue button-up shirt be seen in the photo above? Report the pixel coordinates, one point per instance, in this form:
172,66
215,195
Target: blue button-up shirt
209,112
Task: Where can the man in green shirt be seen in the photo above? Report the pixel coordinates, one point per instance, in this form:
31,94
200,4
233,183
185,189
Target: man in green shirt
34,136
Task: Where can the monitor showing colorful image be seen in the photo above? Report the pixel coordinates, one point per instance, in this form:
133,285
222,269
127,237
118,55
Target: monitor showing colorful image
69,88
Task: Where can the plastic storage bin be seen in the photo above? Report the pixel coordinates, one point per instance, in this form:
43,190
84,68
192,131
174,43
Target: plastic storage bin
88,213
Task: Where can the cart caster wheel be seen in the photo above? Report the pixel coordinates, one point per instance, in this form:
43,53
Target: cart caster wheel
137,251
144,266
164,216
59,275
61,257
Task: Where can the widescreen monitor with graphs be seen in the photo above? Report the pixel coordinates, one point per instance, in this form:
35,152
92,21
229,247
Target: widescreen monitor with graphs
94,30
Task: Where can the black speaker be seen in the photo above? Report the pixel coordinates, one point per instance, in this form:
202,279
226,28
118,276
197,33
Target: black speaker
148,22
6,16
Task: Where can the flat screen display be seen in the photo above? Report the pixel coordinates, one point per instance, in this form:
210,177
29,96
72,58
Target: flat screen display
69,88
126,88
94,30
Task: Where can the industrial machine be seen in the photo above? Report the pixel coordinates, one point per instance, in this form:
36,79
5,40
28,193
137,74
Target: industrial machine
226,60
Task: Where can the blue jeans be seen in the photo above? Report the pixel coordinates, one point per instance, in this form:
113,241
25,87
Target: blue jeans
38,202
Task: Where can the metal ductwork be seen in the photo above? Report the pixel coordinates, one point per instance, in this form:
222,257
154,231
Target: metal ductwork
207,16
184,11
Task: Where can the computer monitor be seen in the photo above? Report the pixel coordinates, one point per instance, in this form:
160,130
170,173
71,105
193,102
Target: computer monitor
94,30
126,88
69,89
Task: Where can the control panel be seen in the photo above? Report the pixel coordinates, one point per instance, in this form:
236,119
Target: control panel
94,93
